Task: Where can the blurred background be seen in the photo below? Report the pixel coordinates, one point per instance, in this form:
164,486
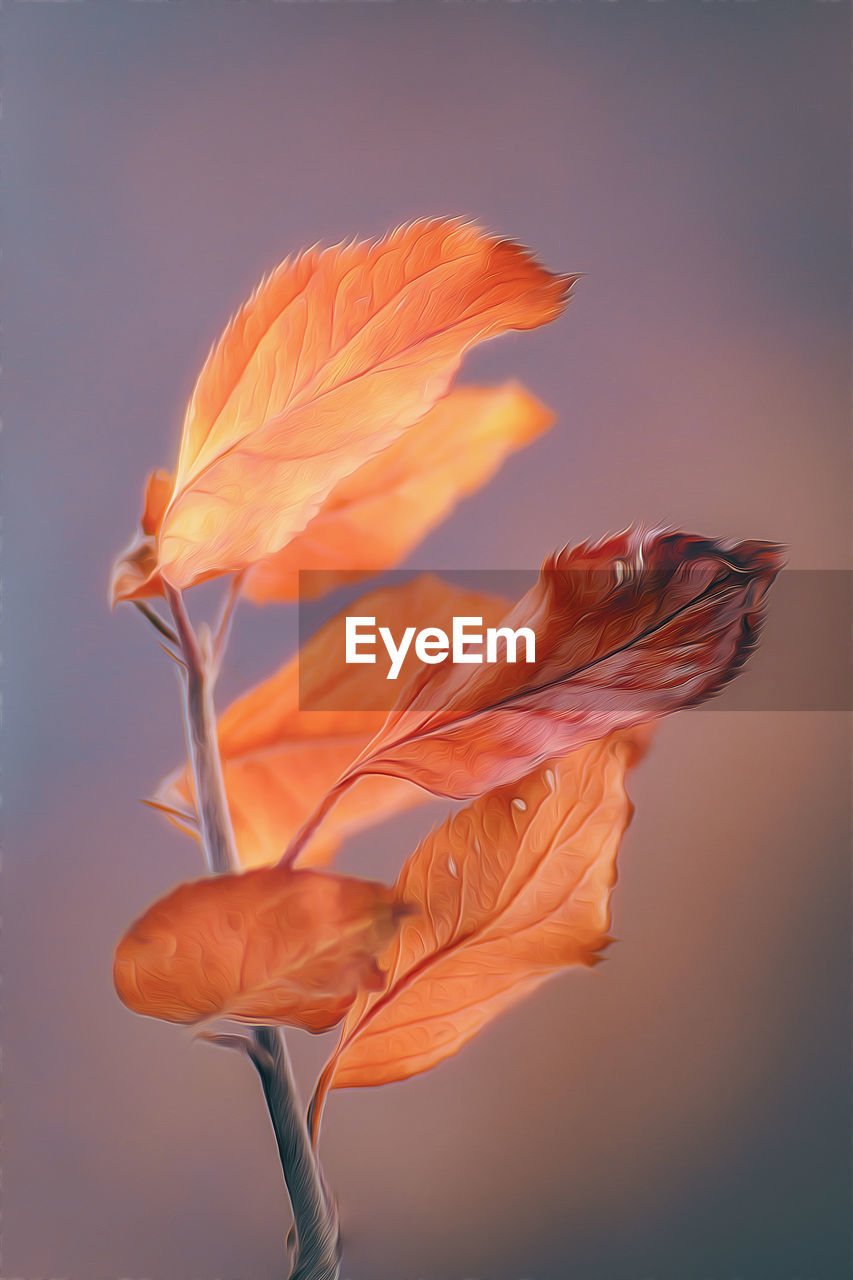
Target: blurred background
683,1112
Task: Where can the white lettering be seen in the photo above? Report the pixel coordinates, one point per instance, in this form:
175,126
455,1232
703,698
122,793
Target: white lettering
396,653
432,644
353,640
461,637
510,638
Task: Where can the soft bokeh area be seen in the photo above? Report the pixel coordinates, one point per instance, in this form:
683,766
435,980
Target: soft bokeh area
683,1111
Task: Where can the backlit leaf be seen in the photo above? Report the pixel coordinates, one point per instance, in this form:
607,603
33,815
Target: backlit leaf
335,355
377,515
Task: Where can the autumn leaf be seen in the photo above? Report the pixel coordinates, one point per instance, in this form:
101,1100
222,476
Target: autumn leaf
134,574
335,355
267,946
627,630
508,891
281,755
379,513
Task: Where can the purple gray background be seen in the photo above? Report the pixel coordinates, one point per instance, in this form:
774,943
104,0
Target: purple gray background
683,1112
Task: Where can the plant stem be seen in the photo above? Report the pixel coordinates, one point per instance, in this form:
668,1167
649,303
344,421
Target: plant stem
316,1255
217,834
306,831
222,630
156,621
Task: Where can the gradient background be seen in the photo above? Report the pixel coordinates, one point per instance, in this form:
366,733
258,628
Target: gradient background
683,1112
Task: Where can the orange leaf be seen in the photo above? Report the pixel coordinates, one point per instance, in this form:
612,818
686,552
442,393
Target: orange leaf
279,760
510,889
157,493
626,630
134,574
265,946
331,359
377,515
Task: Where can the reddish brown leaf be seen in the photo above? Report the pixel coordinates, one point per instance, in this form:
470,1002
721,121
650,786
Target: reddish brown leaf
507,892
264,946
377,515
627,630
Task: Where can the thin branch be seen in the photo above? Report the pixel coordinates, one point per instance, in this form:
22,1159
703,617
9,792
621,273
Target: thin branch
308,828
170,653
314,1117
186,637
217,834
156,621
222,630
171,811
315,1236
